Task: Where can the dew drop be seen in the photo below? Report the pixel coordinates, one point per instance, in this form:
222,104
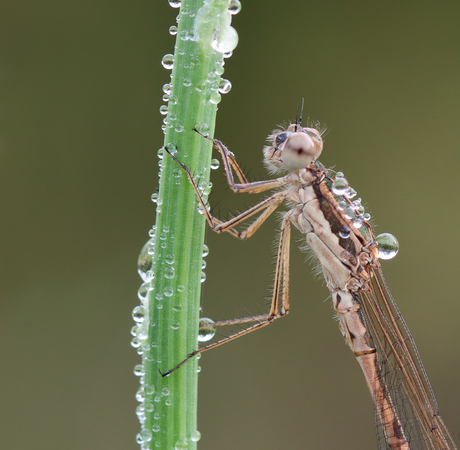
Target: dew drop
140,395
387,245
225,40
149,407
367,217
206,333
215,163
195,436
174,3
144,261
344,232
146,435
138,314
165,392
350,193
167,88
135,342
173,30
156,428
172,148
205,251
169,273
139,370
184,36
340,186
173,100
168,291
234,7
202,185
215,98
142,292
224,86
169,259
168,61
203,277
177,308
175,326
168,402
187,82
181,445
202,128
154,197
358,222
164,110
140,410
149,390
181,288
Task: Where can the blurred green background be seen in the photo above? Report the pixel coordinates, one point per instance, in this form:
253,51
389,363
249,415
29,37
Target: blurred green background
80,89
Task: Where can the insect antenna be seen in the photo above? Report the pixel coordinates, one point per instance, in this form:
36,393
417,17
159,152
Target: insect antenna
301,112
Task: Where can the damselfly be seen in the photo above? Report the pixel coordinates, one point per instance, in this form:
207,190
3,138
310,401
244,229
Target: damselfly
338,232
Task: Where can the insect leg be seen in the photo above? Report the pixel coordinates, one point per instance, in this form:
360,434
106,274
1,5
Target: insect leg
281,279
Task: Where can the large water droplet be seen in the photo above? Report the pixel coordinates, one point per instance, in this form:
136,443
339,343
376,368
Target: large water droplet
234,7
206,333
215,98
142,292
224,86
350,193
174,3
138,314
340,186
135,342
144,261
215,163
173,30
387,245
168,61
225,40
195,436
164,110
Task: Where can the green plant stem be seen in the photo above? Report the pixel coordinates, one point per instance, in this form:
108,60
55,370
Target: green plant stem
168,417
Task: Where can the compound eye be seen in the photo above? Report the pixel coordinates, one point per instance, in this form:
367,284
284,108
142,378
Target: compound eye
299,151
280,138
314,135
